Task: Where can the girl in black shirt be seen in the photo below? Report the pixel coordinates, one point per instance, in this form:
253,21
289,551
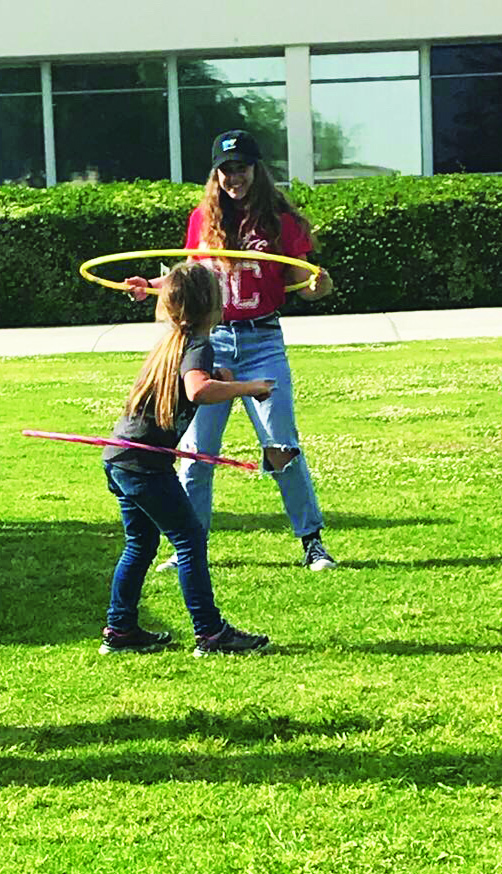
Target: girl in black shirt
176,377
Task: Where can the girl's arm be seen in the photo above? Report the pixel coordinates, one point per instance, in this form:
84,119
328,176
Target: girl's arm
138,283
201,388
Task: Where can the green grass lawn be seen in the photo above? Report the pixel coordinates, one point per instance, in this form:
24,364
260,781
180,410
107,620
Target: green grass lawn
369,740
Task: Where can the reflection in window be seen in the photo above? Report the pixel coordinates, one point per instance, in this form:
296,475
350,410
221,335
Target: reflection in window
107,137
100,77
467,108
22,141
459,60
366,129
111,121
467,120
210,102
19,80
236,70
370,65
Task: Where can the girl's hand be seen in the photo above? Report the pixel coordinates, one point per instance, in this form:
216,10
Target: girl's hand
261,389
137,283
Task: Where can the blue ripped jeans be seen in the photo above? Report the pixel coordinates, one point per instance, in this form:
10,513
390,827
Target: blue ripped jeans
152,503
252,353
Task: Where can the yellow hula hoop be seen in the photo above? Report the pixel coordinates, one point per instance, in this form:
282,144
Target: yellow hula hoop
244,255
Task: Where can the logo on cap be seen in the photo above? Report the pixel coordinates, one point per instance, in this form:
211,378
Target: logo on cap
229,144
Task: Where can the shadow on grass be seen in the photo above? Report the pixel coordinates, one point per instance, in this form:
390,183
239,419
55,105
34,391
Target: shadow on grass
457,561
415,647
242,729
375,563
56,575
260,761
223,521
56,579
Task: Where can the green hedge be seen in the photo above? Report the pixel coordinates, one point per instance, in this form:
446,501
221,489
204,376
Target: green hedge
390,243
409,243
45,234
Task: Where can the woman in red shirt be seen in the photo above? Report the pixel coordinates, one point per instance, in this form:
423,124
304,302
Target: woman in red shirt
242,209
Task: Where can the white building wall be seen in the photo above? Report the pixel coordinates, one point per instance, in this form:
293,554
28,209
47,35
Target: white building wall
50,28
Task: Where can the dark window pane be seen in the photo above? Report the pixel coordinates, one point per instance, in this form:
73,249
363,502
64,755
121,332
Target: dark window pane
111,137
206,112
97,77
14,80
21,141
486,58
467,119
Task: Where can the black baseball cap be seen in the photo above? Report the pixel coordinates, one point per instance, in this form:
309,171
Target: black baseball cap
235,145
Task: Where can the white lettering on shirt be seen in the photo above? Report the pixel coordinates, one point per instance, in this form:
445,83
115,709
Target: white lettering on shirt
231,281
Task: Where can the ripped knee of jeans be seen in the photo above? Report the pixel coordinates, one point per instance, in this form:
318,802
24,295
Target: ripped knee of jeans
276,459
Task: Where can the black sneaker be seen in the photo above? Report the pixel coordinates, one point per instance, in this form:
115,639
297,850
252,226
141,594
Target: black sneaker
229,640
137,640
316,557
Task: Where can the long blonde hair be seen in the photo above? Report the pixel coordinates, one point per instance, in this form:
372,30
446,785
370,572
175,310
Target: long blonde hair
225,224
189,298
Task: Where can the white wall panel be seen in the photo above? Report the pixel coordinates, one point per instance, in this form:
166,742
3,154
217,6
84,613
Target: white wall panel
49,28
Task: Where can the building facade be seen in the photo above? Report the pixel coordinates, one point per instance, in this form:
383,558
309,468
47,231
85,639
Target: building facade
101,90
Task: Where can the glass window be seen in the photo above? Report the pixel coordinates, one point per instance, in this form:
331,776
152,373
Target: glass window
467,108
236,70
22,141
372,65
99,77
111,136
221,95
366,128
454,60
18,80
467,124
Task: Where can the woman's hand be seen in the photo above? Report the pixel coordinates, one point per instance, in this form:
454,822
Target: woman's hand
322,285
137,284
322,288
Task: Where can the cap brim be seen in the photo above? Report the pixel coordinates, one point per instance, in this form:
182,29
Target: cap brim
233,156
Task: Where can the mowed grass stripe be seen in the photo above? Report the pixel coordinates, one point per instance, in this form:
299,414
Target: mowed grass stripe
368,740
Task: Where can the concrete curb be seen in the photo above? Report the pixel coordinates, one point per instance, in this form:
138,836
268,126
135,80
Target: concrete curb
298,330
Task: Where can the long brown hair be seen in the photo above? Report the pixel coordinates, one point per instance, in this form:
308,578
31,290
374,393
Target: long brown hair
189,297
226,225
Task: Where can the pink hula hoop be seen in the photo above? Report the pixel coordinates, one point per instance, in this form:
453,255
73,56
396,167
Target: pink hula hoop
129,444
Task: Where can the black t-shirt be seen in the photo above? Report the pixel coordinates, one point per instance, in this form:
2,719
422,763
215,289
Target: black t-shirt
142,427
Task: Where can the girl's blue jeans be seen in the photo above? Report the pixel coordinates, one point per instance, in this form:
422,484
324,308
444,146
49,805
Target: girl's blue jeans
153,504
252,352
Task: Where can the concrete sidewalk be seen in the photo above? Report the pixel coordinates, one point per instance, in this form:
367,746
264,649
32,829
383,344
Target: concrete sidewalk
298,330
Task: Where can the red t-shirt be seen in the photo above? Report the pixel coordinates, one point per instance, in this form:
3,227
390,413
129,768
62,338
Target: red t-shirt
252,288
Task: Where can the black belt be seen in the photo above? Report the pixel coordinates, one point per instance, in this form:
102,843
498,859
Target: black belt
270,321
